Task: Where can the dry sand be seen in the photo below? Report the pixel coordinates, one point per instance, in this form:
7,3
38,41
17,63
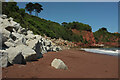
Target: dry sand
81,64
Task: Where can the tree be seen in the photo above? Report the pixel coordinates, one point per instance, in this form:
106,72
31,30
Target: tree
29,7
38,8
22,12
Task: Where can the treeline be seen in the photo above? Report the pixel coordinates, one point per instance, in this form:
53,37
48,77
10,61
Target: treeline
77,25
102,35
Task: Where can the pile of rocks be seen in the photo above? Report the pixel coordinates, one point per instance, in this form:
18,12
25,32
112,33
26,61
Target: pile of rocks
20,45
64,44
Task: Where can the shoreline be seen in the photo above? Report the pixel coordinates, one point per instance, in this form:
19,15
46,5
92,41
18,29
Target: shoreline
81,64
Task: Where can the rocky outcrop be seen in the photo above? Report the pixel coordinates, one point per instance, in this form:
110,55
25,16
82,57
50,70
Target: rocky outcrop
20,45
58,64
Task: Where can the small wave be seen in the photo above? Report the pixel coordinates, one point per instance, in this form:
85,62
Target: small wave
102,51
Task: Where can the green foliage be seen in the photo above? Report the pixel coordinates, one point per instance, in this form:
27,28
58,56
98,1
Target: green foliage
102,35
29,7
77,25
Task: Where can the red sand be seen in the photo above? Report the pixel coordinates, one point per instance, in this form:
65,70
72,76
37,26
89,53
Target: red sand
81,65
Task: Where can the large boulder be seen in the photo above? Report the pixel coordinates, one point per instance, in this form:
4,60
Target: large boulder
28,53
4,34
15,56
3,58
9,44
3,16
20,54
20,41
36,46
16,36
58,64
30,36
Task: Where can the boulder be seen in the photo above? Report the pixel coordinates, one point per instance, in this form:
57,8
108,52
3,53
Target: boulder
9,44
16,36
28,53
29,32
17,26
3,16
15,56
3,58
35,45
20,41
30,36
10,19
22,31
58,64
1,21
4,34
10,28
44,49
56,48
21,53
47,43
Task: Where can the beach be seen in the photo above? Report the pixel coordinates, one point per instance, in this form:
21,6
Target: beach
80,64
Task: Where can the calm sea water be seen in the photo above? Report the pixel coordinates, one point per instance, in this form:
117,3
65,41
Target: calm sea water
107,51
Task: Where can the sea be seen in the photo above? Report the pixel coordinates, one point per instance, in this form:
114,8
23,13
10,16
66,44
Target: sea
107,51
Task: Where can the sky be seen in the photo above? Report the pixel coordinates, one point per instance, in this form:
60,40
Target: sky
96,14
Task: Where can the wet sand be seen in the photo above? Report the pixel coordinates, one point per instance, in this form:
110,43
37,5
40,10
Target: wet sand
81,64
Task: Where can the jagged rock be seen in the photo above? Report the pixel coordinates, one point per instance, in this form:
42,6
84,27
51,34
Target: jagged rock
3,16
47,43
30,36
9,28
4,34
56,48
22,52
29,32
10,19
28,53
35,45
22,31
1,21
44,49
58,64
3,58
16,36
20,41
15,56
9,44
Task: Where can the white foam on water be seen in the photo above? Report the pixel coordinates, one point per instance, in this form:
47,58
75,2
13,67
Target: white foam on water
102,51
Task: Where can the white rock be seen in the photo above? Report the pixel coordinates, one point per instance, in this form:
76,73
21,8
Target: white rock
47,43
30,36
35,45
9,44
28,53
22,52
15,56
3,16
11,19
29,32
4,34
16,36
58,64
20,41
3,59
44,49
17,26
